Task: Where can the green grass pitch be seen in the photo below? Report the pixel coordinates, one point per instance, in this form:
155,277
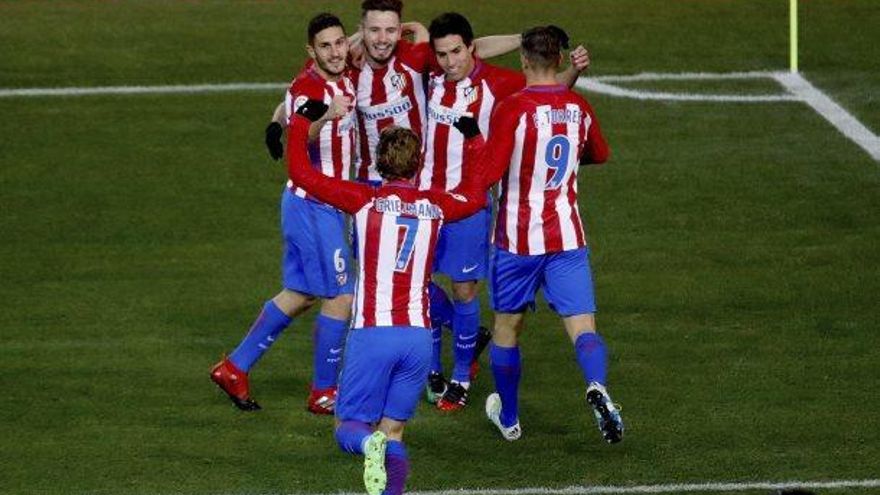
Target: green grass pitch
736,252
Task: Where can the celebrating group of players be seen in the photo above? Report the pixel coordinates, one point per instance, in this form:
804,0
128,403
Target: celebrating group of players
430,128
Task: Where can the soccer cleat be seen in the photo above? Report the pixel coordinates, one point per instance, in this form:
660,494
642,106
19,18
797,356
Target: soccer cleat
436,387
455,398
234,383
484,336
606,412
322,401
493,412
375,477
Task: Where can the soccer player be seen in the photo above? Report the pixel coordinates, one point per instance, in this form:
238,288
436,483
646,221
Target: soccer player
390,85
539,135
388,350
316,251
465,86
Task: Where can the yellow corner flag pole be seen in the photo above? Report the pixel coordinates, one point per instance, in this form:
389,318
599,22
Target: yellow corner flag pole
793,36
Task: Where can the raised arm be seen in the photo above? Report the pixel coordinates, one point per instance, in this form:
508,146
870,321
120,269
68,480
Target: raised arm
417,29
499,44
345,195
580,62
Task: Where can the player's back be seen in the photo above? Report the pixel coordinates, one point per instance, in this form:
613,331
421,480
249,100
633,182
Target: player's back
550,128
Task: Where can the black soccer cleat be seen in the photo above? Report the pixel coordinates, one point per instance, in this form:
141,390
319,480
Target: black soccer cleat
436,387
455,398
607,414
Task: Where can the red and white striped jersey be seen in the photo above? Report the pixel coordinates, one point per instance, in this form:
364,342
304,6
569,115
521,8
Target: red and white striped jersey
474,96
397,227
539,136
391,95
335,148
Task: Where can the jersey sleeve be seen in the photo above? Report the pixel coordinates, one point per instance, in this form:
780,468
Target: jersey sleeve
495,155
418,56
595,149
301,90
348,196
460,203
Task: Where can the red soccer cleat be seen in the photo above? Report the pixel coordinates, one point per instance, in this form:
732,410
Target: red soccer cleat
455,398
322,401
234,383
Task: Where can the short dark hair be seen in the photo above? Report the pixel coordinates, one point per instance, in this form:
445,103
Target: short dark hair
382,6
398,155
451,23
542,45
321,22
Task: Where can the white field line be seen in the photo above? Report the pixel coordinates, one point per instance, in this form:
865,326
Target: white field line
796,86
848,125
797,89
684,76
133,90
609,89
660,488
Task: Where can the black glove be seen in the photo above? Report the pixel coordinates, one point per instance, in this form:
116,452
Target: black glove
467,126
312,109
274,131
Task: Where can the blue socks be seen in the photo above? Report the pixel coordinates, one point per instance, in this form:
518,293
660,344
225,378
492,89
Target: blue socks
465,323
441,308
397,467
350,436
506,368
441,315
590,352
328,340
271,322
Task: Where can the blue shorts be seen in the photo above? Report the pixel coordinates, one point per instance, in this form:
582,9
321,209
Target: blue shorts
463,247
316,250
565,277
384,370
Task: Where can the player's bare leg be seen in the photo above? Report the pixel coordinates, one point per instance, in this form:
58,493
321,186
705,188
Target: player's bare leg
591,356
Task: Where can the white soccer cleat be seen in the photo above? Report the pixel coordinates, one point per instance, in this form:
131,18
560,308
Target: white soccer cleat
493,412
375,477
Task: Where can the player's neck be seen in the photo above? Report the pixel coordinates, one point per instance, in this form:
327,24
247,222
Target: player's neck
540,78
375,64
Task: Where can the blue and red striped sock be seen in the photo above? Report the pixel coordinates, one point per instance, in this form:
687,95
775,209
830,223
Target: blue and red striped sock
350,436
465,323
589,349
507,369
268,325
329,336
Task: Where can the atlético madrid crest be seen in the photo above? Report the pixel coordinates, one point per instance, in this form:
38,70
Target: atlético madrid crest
470,94
398,81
